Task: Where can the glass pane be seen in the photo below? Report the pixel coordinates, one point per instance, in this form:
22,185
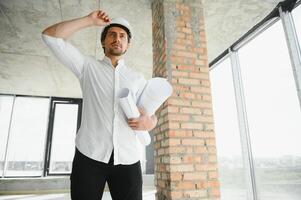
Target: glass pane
297,21
274,115
27,137
63,138
149,166
229,153
6,103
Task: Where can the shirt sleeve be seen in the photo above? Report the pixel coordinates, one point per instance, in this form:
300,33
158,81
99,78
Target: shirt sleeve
66,53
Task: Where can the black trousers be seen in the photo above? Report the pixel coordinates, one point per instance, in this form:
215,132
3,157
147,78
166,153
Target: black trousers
88,179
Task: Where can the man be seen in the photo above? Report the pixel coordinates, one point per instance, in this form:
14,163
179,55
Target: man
107,149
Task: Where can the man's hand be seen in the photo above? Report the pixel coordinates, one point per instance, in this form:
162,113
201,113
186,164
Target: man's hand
144,122
99,18
66,28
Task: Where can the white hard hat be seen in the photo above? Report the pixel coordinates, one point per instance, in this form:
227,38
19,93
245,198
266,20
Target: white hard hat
120,21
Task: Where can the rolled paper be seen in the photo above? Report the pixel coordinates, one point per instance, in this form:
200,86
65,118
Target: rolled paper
156,91
131,111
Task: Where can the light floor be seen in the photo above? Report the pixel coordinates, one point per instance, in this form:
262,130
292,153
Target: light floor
147,195
36,197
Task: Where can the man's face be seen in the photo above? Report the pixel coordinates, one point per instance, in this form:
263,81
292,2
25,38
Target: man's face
116,42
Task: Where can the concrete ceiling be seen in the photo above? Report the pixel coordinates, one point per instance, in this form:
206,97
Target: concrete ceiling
21,22
227,20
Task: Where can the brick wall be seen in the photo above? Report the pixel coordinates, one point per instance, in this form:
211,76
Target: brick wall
184,140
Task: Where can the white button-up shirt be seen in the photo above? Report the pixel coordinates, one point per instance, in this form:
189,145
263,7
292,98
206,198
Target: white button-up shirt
104,126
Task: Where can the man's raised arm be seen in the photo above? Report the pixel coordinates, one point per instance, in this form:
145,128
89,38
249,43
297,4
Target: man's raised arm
66,28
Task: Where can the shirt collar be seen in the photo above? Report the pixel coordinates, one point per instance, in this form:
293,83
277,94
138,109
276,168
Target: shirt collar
108,61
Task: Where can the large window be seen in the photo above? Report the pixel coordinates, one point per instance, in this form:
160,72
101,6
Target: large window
27,137
37,135
272,118
230,162
32,139
63,137
6,105
274,115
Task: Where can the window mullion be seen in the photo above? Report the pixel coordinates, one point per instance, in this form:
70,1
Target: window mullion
293,47
243,127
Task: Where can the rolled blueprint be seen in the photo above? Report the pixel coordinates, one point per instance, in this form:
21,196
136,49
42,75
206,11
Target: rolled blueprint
131,111
156,91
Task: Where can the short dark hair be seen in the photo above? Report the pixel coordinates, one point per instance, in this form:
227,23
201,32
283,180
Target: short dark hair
106,29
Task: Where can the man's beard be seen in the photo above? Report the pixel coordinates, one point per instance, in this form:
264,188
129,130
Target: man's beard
116,52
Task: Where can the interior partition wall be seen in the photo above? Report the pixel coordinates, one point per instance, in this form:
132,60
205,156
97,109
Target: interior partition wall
256,103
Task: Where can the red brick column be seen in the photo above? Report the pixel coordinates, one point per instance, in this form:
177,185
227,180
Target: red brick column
185,149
